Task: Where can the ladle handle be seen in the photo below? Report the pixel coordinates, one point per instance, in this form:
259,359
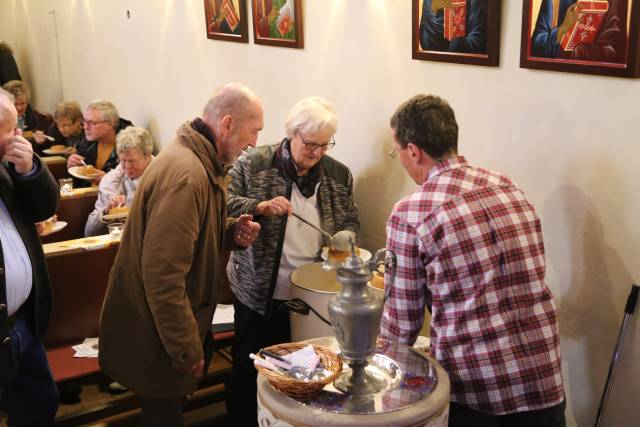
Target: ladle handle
390,263
313,226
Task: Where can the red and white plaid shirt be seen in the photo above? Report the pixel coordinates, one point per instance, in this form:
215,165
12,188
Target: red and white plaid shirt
469,243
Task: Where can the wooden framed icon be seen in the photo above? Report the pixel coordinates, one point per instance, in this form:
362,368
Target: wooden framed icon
278,23
581,36
226,20
460,31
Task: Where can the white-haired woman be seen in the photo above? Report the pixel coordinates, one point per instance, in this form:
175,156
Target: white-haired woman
134,147
270,182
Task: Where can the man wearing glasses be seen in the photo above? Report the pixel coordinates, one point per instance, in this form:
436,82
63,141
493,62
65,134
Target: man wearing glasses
469,247
270,182
101,124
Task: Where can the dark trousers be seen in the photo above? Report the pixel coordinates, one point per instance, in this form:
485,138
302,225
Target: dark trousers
161,412
252,332
31,399
463,416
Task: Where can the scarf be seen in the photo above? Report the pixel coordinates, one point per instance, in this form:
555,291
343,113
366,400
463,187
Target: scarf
203,129
284,162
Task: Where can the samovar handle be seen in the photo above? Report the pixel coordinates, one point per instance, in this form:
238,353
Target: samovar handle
390,262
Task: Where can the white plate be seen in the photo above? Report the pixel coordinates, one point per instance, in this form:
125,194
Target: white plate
115,216
58,153
74,172
365,255
59,225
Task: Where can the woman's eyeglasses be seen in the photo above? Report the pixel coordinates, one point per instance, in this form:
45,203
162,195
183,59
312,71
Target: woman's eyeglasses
312,146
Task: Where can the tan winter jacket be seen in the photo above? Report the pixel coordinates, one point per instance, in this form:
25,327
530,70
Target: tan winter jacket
162,288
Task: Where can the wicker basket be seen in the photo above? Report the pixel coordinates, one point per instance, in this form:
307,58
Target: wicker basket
299,388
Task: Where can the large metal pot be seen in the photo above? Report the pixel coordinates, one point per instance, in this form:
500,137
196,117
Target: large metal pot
315,286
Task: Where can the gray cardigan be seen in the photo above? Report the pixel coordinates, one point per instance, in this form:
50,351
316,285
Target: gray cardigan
255,178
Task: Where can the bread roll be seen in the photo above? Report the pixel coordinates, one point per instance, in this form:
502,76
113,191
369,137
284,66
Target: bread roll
58,147
378,280
49,224
88,170
119,210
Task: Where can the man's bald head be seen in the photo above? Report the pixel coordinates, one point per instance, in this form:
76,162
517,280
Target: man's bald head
8,118
233,99
235,117
7,109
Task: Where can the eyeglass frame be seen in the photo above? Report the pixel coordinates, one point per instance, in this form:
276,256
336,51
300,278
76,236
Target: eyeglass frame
312,146
91,123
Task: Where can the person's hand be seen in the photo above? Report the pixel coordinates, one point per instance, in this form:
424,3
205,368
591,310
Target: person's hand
570,18
277,206
20,153
74,160
38,136
115,201
197,370
246,231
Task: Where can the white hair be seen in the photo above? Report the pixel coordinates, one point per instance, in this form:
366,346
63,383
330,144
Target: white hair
134,137
108,111
311,115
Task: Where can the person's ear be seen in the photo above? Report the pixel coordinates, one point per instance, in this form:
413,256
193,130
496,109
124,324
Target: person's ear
414,151
226,126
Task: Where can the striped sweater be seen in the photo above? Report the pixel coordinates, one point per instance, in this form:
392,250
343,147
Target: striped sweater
255,178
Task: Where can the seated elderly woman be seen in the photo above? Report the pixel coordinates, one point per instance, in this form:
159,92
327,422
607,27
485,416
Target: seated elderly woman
270,182
67,131
29,120
134,146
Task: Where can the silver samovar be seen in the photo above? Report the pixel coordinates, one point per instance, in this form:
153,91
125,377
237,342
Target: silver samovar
355,314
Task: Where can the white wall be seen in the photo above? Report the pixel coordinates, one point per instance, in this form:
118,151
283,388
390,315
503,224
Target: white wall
568,140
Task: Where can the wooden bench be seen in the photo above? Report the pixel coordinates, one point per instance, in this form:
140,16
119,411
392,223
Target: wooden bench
79,282
57,166
74,209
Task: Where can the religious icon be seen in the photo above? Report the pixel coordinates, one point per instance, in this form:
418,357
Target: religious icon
463,31
278,22
226,20
581,36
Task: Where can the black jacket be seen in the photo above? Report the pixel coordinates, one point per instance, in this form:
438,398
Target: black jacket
89,150
8,67
27,201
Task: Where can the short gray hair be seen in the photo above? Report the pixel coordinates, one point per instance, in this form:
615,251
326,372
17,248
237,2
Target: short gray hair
134,137
107,110
310,115
68,110
231,99
17,88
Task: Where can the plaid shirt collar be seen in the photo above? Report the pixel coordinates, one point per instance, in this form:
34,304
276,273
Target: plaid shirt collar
448,164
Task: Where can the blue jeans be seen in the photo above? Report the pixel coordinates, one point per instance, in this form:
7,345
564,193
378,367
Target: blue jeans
31,399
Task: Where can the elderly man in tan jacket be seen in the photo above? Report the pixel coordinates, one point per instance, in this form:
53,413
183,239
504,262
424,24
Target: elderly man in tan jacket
156,319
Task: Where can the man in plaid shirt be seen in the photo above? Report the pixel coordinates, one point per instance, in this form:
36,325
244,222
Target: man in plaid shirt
469,246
